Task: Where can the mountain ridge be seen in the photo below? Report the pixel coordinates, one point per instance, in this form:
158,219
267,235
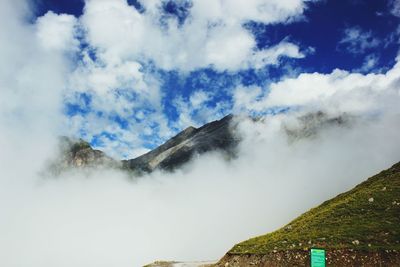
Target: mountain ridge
217,135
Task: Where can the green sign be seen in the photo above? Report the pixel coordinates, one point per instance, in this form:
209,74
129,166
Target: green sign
317,257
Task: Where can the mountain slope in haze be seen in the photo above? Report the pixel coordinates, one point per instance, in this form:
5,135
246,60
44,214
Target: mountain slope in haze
77,153
216,135
358,228
220,135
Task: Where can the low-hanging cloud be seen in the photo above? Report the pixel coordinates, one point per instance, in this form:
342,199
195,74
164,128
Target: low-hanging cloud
196,213
103,218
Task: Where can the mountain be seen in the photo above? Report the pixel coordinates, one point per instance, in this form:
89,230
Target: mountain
214,136
309,125
358,228
220,135
77,153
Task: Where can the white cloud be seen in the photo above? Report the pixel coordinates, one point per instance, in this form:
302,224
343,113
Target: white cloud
339,91
247,98
31,81
244,10
199,109
116,88
124,89
57,31
199,97
370,62
212,35
105,78
357,41
121,41
272,55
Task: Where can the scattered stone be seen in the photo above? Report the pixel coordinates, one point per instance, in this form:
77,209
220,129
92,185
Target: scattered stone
371,199
384,188
355,242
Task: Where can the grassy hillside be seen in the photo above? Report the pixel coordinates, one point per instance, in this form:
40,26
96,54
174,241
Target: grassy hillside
365,218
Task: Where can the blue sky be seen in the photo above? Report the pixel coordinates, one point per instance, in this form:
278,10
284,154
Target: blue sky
150,93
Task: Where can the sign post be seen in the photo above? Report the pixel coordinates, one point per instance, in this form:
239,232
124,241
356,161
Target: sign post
317,257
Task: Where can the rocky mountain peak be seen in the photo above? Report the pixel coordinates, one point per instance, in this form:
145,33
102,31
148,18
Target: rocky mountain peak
77,153
216,135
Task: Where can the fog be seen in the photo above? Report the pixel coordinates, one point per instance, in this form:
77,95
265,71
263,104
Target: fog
104,218
197,213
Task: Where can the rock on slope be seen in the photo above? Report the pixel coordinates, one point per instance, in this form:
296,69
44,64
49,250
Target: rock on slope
358,228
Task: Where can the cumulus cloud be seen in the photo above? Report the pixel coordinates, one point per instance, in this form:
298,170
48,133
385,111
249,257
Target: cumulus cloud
212,35
338,91
57,31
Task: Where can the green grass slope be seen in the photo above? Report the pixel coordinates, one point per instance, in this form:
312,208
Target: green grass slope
365,218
